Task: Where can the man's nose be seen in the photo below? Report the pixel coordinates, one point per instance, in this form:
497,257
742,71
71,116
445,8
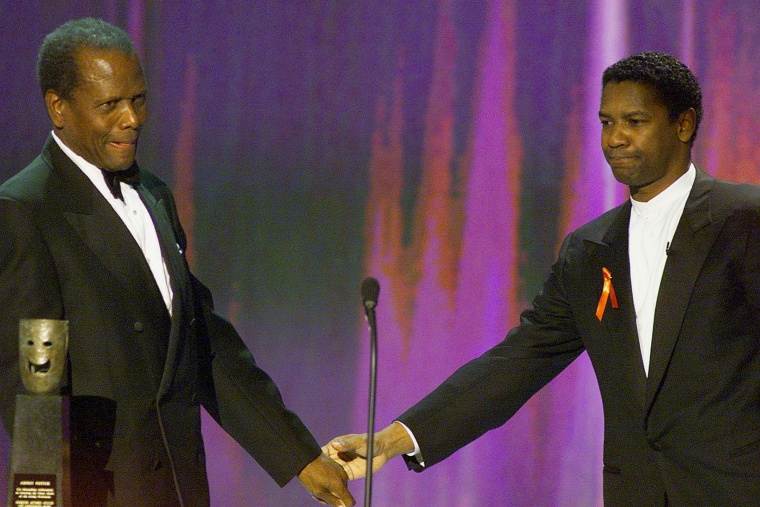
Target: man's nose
615,136
129,117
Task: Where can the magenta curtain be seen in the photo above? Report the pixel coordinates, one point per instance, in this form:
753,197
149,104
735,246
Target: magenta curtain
444,147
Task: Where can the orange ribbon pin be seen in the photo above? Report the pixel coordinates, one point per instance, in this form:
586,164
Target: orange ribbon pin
608,292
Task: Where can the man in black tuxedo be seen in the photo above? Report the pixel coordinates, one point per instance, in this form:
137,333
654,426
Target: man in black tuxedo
89,237
663,292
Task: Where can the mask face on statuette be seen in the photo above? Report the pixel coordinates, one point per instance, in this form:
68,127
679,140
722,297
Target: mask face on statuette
43,345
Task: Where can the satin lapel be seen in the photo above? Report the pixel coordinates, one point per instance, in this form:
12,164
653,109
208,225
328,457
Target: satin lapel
178,276
97,224
619,325
691,244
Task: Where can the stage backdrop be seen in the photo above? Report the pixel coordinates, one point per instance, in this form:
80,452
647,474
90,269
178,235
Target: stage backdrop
443,146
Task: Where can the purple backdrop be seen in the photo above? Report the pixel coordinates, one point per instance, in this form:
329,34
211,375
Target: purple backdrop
442,146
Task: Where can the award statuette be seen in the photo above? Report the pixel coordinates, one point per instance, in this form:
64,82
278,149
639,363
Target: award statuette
39,468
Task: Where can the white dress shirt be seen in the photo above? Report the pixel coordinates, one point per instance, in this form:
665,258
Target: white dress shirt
135,216
650,231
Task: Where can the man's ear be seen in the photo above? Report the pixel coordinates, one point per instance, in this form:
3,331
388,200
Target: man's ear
687,124
55,107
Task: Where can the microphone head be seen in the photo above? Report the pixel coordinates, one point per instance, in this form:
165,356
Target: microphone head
370,291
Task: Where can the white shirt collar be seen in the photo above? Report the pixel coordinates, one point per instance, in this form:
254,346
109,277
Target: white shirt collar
91,171
668,197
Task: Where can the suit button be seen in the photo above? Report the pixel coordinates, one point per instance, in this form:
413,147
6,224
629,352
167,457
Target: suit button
157,465
139,327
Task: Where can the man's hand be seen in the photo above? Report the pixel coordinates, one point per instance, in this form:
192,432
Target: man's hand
350,451
326,481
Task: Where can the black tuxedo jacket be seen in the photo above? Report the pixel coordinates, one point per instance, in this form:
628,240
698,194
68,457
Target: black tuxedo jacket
690,431
137,376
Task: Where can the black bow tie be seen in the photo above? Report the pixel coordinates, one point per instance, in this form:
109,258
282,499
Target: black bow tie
114,179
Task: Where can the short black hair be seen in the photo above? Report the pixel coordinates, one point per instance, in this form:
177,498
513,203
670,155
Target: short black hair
674,82
56,61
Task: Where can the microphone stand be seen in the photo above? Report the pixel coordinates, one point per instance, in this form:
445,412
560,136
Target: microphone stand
371,415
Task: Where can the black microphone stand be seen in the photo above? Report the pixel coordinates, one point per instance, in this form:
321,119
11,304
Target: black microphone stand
371,414
370,291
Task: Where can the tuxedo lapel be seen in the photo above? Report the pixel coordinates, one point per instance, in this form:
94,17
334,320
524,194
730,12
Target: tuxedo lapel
618,326
170,249
98,225
691,244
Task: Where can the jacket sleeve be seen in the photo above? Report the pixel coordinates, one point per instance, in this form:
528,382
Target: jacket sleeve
235,391
485,392
245,401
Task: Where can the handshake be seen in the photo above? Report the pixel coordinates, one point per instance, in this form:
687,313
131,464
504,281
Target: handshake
344,457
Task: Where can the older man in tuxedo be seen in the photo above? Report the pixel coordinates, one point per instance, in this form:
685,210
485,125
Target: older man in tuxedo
90,237
663,292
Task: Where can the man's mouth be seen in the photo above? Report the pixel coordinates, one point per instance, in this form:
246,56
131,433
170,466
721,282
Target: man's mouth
123,144
620,159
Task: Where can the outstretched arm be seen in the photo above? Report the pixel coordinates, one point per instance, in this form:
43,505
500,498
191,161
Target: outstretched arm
350,451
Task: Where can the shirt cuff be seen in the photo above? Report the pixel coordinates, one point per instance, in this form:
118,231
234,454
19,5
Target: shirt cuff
417,454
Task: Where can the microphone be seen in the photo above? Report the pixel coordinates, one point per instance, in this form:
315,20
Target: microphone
370,290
